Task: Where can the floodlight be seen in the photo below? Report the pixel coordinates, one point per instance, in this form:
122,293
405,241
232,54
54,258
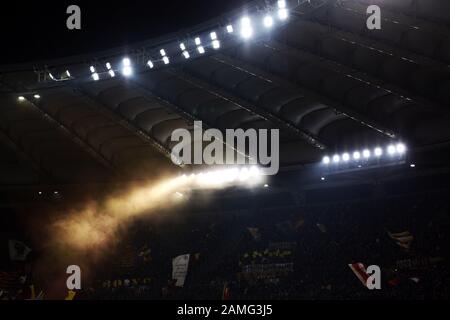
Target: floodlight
400,148
186,54
150,64
366,154
391,150
356,155
346,157
378,152
201,50
283,14
336,158
268,21
213,35
230,29
166,60
326,160
95,76
247,30
216,44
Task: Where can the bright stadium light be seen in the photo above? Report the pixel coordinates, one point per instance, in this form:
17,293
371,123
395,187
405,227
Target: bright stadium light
230,28
36,96
95,76
366,154
346,157
201,50
108,66
282,4
216,44
127,70
378,152
283,14
92,68
166,60
247,30
268,21
150,64
68,73
356,155
198,41
162,52
186,54
21,98
391,150
112,73
400,148
336,158
213,35
182,47
326,160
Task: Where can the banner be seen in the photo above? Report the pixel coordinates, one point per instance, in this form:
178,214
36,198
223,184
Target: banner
180,268
267,271
18,251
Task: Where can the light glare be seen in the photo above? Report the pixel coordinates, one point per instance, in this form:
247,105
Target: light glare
268,21
283,14
201,50
216,44
346,157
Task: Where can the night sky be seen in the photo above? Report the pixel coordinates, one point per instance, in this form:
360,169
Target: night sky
36,30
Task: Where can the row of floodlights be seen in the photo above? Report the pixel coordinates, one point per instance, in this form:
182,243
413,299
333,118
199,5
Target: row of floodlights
246,32
392,150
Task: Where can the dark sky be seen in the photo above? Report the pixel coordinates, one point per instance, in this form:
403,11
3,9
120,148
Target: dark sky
36,30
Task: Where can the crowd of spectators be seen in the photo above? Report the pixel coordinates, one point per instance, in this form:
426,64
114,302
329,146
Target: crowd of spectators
299,252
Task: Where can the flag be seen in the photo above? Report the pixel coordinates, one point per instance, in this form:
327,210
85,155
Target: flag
18,251
179,269
403,239
360,271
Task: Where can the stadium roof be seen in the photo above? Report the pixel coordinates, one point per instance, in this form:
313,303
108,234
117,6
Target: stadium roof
326,81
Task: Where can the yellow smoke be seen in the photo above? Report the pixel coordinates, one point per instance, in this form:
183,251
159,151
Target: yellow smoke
97,224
